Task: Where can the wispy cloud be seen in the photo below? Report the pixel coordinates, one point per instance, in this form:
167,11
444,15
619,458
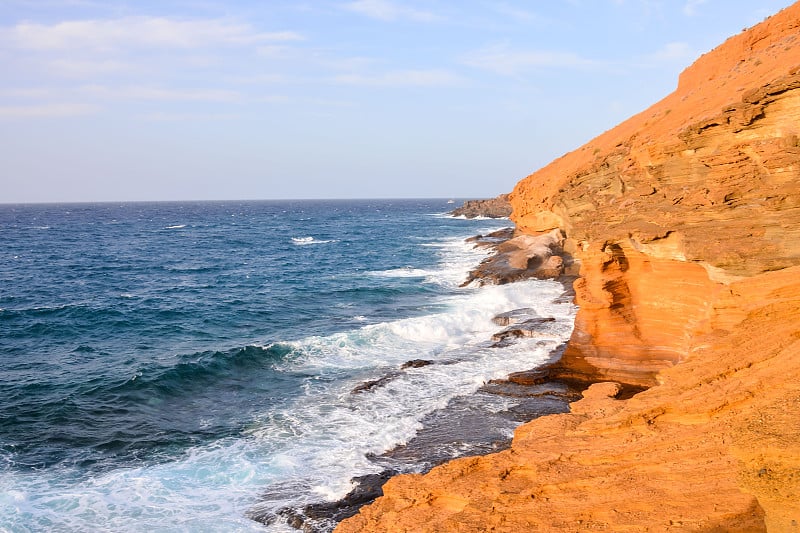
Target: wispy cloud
403,78
516,13
110,34
504,60
159,94
56,110
182,117
389,11
82,68
690,8
675,51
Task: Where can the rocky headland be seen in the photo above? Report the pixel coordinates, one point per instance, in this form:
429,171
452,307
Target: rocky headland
498,207
685,224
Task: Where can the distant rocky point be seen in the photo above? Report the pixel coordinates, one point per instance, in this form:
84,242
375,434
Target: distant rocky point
492,208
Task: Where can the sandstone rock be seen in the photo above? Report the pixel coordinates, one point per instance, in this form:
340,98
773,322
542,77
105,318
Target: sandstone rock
492,208
668,208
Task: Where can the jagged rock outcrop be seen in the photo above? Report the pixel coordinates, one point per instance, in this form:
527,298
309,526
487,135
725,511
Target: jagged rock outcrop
498,207
523,257
686,222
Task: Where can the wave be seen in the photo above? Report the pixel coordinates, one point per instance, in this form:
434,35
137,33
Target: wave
405,272
155,410
198,370
176,226
304,241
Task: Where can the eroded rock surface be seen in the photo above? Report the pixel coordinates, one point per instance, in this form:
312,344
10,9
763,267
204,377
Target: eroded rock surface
524,257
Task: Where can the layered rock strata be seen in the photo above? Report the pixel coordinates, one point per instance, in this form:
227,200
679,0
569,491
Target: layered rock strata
686,222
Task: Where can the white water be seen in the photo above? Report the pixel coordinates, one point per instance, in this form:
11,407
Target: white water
308,450
305,241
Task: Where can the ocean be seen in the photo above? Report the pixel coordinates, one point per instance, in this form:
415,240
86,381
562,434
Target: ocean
174,366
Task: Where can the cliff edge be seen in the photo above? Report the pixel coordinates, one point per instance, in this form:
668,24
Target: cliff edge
685,220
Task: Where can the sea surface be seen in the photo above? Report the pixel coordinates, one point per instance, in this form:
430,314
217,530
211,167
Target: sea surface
172,366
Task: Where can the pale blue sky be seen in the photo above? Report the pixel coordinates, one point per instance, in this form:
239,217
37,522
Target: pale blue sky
196,99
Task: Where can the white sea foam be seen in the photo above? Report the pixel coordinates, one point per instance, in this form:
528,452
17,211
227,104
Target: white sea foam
406,272
305,241
462,217
176,226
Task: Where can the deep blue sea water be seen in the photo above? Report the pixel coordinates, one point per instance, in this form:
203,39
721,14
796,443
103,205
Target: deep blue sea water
167,366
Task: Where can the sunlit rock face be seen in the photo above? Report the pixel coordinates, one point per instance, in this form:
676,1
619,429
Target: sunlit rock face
667,209
686,222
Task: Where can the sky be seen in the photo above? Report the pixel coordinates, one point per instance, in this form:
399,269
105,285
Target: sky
210,100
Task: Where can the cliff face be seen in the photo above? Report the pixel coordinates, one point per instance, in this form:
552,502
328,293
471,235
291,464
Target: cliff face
668,208
686,222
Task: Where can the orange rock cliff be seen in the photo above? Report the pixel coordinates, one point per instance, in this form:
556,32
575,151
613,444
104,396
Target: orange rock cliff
686,222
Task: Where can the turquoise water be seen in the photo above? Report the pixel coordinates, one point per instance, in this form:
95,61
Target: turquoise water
166,366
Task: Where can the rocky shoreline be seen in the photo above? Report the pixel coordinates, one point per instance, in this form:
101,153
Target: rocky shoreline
685,223
465,427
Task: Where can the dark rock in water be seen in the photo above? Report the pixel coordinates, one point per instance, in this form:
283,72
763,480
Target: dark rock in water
369,385
516,316
493,208
529,377
322,517
530,328
479,423
492,239
380,382
368,488
415,363
464,427
503,343
553,389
